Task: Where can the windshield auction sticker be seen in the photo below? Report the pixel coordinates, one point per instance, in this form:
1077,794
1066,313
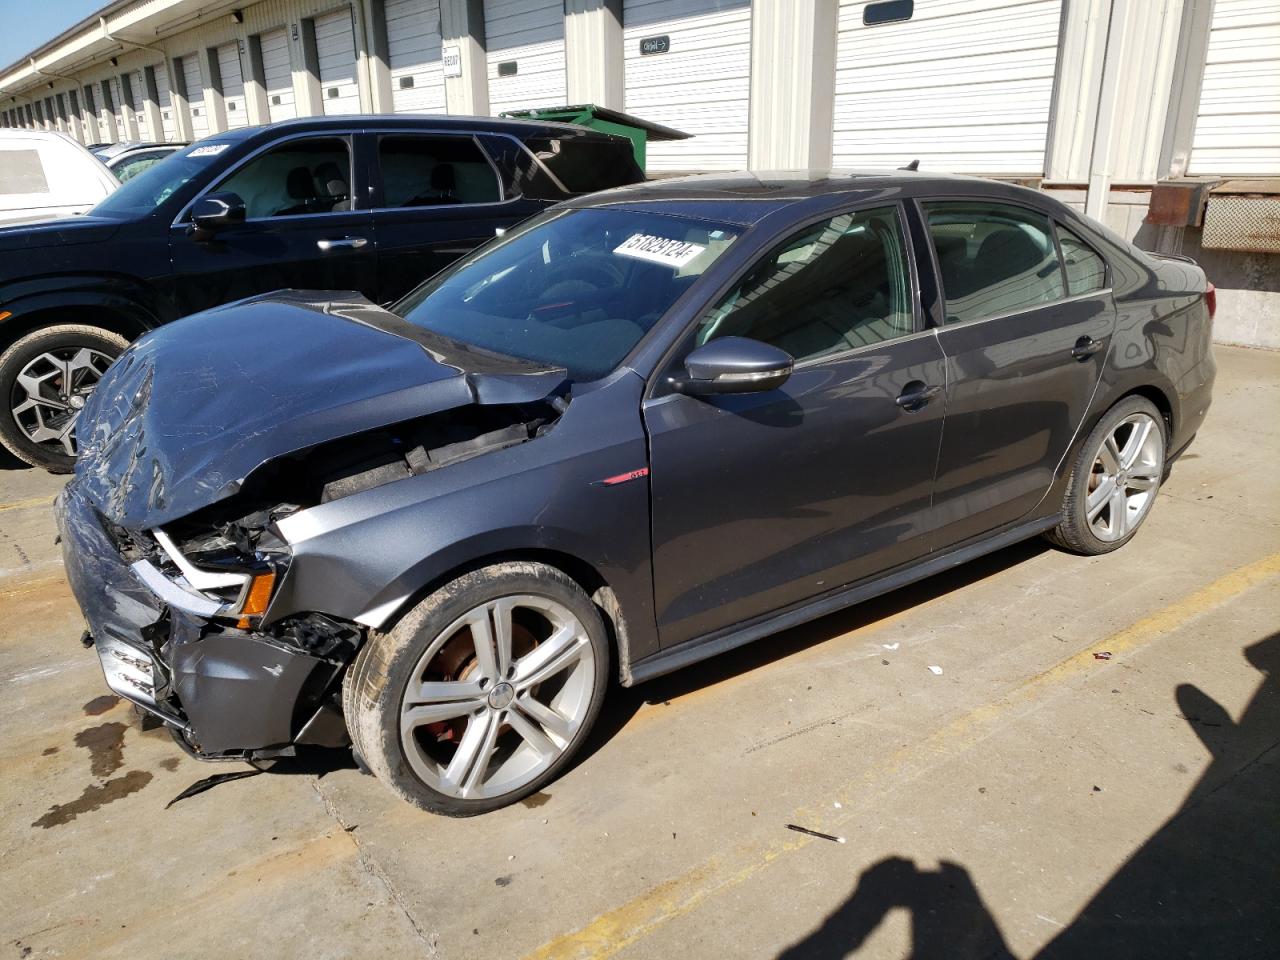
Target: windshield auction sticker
212,150
670,253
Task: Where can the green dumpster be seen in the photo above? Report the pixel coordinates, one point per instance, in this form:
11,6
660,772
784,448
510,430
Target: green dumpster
638,131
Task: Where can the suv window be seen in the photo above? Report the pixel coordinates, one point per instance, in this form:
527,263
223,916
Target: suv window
434,171
22,173
836,286
1086,271
295,179
993,258
585,166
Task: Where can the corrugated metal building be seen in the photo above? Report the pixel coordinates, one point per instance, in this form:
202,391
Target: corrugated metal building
1106,102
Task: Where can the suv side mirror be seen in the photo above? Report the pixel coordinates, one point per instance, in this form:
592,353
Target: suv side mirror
216,212
733,365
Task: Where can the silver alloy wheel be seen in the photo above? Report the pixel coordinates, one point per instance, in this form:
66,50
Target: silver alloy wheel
1126,477
50,392
519,678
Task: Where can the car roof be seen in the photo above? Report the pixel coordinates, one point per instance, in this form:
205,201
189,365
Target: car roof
404,121
748,197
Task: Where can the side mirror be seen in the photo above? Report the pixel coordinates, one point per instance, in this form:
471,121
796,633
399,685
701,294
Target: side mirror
733,365
216,212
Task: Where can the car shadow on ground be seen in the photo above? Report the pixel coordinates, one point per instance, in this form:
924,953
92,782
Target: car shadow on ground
9,462
623,703
1203,886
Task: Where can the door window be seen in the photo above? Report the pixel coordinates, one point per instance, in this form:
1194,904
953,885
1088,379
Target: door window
435,171
299,178
1086,271
993,258
838,285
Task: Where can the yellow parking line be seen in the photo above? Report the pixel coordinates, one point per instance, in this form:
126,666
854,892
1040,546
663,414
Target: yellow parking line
27,504
617,929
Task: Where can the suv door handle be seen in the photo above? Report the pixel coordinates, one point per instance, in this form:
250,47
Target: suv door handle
915,395
346,243
1086,347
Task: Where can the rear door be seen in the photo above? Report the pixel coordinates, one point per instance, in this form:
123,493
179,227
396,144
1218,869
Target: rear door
300,231
763,500
437,196
1024,356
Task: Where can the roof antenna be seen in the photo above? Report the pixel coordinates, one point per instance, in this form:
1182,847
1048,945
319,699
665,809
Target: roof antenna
913,165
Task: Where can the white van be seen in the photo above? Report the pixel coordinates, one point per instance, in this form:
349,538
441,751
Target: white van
45,175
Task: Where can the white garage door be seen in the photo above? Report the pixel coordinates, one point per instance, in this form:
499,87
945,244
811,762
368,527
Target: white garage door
277,71
336,47
413,48
232,75
525,41
963,86
1238,127
195,95
138,92
700,85
164,97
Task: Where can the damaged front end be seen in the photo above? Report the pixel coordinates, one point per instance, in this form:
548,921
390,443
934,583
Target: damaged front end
170,529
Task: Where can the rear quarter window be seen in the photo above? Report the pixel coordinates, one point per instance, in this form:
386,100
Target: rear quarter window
21,172
582,165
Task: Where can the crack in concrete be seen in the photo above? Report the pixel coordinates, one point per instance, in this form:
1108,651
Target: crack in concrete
373,869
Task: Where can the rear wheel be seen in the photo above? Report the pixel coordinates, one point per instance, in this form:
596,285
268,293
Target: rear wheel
1115,480
45,378
483,692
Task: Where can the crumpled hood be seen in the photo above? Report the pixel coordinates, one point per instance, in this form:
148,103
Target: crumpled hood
191,409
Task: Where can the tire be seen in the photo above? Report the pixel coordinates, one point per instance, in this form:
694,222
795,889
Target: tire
33,355
1132,437
464,741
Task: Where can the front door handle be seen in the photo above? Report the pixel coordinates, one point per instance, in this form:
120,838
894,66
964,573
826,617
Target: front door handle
346,243
1086,347
916,395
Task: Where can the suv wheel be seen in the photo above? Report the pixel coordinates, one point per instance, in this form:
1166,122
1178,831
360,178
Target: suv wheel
483,692
1115,480
45,378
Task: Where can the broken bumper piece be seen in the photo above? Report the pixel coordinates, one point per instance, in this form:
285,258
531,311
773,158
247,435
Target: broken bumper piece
228,692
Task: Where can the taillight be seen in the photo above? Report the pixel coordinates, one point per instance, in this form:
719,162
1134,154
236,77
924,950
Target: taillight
1211,299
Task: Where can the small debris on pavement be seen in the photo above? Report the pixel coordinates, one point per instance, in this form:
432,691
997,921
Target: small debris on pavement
891,646
814,833
208,783
1102,655
837,805
935,669
1096,788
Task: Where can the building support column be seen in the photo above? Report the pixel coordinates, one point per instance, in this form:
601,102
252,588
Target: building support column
594,64
182,122
1184,98
793,71
462,33
379,56
131,130
310,95
151,103
107,112
215,104
255,84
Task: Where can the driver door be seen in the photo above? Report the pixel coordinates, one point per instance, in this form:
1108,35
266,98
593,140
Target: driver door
763,500
300,231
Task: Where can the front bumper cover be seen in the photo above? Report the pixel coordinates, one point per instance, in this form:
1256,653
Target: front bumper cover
230,692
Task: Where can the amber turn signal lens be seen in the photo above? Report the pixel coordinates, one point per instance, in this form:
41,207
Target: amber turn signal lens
5,314
255,604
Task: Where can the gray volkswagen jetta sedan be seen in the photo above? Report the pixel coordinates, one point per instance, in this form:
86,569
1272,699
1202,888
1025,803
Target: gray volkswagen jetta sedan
642,428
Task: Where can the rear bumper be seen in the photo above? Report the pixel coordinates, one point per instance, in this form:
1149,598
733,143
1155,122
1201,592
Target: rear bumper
230,692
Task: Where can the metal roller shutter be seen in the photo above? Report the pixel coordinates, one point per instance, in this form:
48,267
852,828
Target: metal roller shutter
525,41
232,85
414,51
195,96
336,48
138,90
701,84
277,71
1238,125
164,97
963,86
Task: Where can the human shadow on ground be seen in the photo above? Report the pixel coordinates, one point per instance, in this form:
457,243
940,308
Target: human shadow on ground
1205,885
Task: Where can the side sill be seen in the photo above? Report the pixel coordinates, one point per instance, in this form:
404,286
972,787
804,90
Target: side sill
702,648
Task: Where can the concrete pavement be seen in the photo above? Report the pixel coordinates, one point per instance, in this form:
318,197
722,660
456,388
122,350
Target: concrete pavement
1031,799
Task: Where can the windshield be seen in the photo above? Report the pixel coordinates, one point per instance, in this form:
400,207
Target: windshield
153,186
577,288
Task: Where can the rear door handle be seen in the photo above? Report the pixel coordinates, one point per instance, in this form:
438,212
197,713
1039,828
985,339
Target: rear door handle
346,243
1086,347
916,394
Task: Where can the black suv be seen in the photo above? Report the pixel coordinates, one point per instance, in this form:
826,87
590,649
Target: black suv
375,204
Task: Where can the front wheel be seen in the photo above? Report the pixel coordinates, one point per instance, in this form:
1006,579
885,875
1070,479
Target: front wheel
483,692
1115,479
45,378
